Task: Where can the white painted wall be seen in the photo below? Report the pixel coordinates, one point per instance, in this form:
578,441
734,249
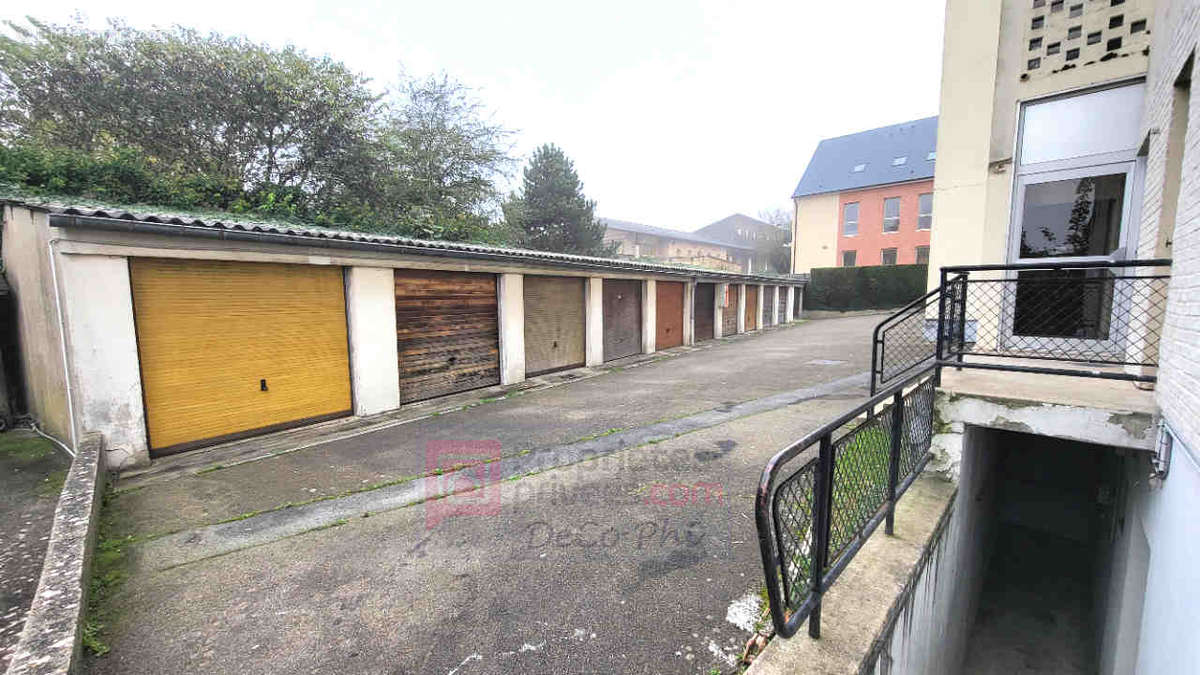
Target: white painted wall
718,309
1154,591
689,313
512,328
26,254
371,318
106,382
593,340
649,315
741,308
790,311
929,637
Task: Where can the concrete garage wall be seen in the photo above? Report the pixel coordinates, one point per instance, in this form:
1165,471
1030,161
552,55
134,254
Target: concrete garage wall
512,328
374,360
103,355
26,255
593,312
929,628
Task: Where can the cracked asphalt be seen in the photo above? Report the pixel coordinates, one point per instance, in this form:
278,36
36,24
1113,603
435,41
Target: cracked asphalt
641,560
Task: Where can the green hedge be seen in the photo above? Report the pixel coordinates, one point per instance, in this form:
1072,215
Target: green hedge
849,288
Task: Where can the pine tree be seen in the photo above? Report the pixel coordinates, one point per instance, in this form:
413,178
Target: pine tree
551,212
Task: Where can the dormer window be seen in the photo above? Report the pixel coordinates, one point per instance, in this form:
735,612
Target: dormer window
859,168
900,161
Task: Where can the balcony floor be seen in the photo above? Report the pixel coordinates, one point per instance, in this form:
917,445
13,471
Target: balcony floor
1087,392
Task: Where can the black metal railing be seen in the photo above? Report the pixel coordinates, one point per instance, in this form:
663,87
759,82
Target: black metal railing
901,343
820,498
1093,319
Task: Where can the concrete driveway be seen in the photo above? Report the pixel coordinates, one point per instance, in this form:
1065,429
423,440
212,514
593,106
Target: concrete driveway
640,556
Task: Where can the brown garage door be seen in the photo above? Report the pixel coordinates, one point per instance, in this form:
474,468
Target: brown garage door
782,304
703,310
729,312
232,349
668,317
447,333
751,306
622,318
554,323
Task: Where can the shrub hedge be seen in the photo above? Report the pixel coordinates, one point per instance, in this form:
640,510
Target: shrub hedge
851,288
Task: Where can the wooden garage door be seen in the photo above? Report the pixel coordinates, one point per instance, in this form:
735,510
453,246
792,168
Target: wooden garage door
703,310
782,304
230,349
447,333
751,306
554,323
622,318
668,319
729,312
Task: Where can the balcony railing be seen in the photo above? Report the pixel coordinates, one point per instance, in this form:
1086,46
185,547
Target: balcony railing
1090,319
820,498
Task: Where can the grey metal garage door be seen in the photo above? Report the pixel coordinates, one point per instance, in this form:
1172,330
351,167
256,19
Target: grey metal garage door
622,318
554,323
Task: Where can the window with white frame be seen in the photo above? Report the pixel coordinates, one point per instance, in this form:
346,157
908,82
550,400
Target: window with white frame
891,214
887,256
925,211
1076,171
922,255
848,258
850,219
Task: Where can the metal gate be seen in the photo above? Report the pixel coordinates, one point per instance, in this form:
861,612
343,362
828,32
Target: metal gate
729,312
622,318
782,305
554,323
702,310
668,314
751,307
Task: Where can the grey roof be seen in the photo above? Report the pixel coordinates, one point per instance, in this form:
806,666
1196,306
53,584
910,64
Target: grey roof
831,168
719,228
219,227
628,226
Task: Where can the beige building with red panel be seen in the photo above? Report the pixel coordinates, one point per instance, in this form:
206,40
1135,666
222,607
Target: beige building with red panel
867,199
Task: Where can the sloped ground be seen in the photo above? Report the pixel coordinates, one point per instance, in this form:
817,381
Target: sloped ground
31,474
629,562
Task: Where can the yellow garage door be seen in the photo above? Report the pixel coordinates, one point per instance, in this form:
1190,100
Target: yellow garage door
230,349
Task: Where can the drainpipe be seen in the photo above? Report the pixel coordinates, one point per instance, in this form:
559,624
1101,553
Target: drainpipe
62,332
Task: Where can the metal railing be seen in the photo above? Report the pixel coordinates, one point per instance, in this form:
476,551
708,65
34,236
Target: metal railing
900,343
838,484
1092,319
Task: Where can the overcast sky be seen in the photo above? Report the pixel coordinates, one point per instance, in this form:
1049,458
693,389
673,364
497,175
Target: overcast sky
677,113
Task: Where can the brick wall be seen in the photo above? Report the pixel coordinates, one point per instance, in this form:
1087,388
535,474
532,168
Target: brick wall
1177,30
870,241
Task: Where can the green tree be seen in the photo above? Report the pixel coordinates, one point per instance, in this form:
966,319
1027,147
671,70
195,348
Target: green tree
180,119
447,157
551,212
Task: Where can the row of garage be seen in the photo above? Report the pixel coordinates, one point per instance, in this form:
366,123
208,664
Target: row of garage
279,331
179,333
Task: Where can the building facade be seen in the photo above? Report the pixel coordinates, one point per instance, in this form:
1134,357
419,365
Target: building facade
867,199
638,241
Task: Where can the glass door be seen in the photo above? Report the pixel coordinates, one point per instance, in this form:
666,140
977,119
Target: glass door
1069,216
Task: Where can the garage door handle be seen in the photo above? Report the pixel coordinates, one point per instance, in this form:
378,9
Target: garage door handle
262,385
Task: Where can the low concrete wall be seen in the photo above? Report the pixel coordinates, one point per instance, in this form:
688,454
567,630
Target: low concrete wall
50,642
